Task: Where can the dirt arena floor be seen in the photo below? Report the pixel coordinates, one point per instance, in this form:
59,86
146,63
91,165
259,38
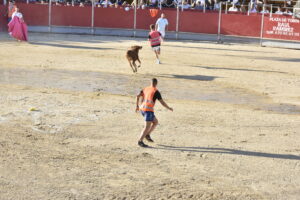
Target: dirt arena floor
68,129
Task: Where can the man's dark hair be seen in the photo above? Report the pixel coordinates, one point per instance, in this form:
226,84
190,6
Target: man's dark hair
154,81
152,26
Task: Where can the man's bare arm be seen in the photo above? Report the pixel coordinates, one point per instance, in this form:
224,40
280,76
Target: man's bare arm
165,105
137,102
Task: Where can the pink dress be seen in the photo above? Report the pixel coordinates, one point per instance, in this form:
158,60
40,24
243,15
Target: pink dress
17,28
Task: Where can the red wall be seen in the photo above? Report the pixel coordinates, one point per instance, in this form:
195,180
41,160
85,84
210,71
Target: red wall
35,14
198,22
281,27
144,18
3,18
71,16
189,20
113,18
241,25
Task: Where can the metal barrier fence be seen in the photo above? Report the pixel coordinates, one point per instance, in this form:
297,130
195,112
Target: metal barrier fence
216,22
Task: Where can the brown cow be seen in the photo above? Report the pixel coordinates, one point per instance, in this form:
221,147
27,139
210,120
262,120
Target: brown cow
132,55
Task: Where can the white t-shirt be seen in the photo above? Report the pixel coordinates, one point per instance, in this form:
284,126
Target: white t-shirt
186,6
233,9
264,12
161,25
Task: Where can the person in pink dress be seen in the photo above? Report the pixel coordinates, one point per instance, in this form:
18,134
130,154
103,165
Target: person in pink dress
17,28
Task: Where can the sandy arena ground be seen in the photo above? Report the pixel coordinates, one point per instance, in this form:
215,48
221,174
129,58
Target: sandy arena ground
68,129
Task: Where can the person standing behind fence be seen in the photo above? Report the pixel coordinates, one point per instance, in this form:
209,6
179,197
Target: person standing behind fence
162,25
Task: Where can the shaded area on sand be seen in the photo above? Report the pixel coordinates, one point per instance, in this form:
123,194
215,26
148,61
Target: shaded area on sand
227,151
172,86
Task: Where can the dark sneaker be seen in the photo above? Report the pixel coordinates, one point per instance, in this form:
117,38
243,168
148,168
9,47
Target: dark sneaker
148,138
142,144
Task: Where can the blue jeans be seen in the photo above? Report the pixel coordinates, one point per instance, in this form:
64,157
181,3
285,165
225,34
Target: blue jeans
148,115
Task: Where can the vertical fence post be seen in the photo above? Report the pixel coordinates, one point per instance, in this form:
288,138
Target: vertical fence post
93,17
134,19
27,1
262,29
204,7
50,13
249,7
160,4
271,10
226,7
177,21
219,23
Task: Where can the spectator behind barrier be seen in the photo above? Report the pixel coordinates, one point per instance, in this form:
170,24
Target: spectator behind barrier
233,8
197,5
287,12
216,5
106,3
142,4
253,7
264,10
279,11
153,3
243,8
184,5
170,4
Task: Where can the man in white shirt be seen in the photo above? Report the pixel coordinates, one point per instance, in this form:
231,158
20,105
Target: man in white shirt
161,25
264,10
279,12
233,8
287,12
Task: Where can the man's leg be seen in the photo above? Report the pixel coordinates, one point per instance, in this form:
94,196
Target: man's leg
153,125
156,54
145,130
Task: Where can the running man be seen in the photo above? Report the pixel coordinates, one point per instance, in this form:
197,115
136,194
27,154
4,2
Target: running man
155,40
149,96
162,25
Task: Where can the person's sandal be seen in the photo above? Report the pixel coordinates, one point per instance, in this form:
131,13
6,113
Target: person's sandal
148,138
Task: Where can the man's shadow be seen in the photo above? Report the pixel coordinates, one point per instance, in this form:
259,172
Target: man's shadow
227,151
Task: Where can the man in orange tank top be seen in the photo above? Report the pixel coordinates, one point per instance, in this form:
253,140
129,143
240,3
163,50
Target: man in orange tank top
155,40
149,95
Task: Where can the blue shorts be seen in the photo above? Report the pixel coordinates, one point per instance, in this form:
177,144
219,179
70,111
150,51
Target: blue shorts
148,115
